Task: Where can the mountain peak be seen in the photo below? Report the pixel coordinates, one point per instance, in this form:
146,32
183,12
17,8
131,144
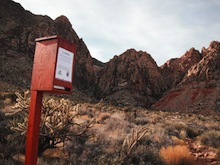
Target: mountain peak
64,20
187,83
133,76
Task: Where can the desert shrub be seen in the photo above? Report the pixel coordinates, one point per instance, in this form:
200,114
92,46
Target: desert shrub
86,109
132,139
117,122
218,155
53,161
106,150
211,138
3,128
109,158
76,147
177,129
8,146
176,155
143,155
155,118
139,147
57,124
194,130
89,152
177,141
102,117
9,162
159,136
105,143
141,121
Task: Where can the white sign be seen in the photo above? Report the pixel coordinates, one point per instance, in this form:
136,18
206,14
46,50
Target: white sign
64,65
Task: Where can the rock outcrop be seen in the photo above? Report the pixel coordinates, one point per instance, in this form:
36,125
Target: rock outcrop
207,69
190,83
133,78
199,90
174,70
18,31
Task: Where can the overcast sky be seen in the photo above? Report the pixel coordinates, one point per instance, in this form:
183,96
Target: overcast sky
163,28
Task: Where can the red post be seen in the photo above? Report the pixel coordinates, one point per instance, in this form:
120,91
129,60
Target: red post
52,73
33,128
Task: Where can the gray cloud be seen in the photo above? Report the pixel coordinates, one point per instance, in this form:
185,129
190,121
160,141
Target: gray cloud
165,29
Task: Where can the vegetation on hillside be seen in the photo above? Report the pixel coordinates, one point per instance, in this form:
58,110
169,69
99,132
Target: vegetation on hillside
89,133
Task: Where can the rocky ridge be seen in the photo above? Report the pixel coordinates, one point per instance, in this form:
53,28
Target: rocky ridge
199,89
131,78
18,31
174,70
186,84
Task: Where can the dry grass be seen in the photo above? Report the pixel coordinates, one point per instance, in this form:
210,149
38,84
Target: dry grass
176,155
111,127
211,138
178,141
102,116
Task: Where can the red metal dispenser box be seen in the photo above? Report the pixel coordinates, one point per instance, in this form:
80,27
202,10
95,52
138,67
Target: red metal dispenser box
53,67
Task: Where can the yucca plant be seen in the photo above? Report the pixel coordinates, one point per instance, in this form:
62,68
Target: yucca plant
132,139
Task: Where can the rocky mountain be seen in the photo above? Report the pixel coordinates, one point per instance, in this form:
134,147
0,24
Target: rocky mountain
18,31
133,78
174,70
198,91
190,83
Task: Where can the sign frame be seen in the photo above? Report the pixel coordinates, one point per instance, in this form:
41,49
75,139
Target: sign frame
45,64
